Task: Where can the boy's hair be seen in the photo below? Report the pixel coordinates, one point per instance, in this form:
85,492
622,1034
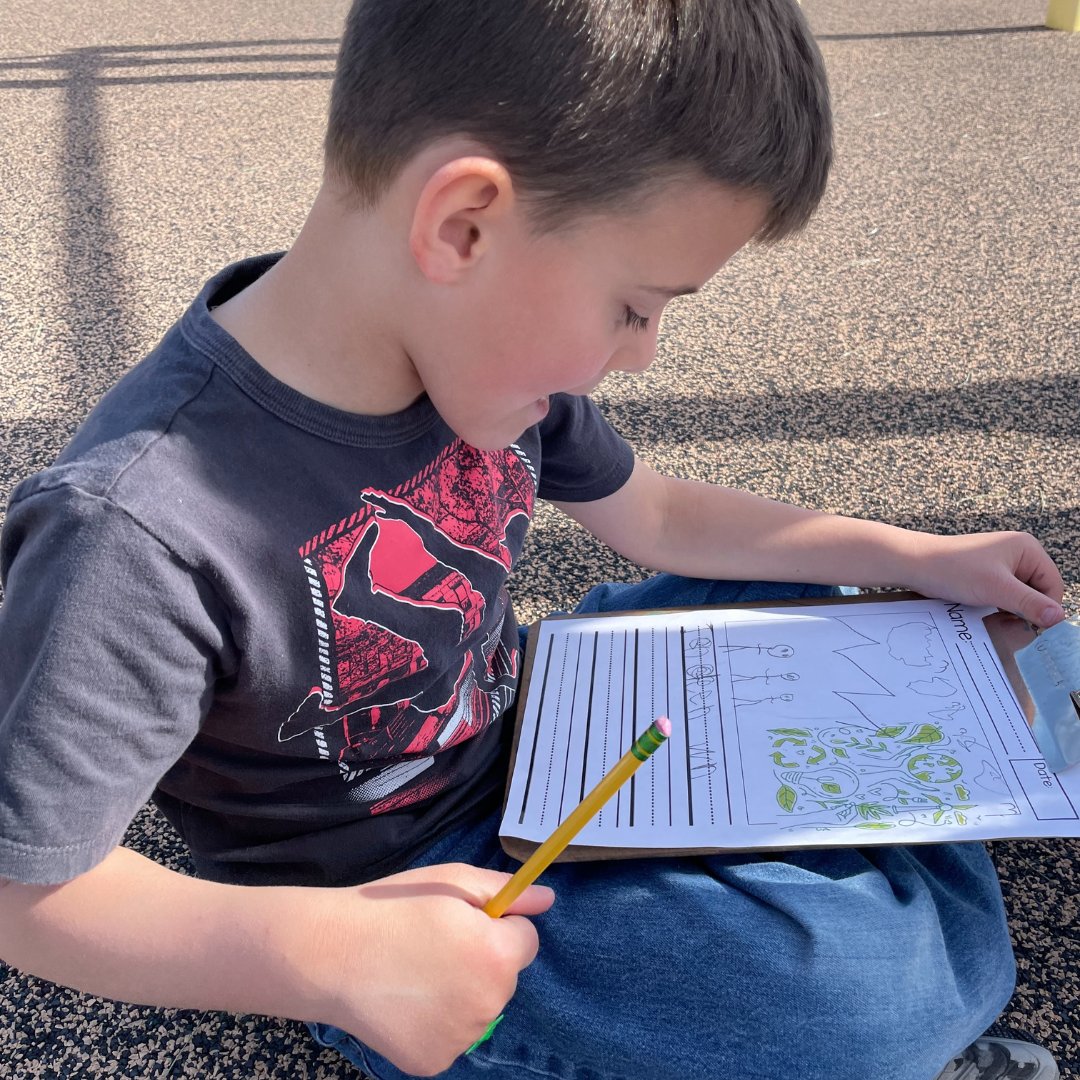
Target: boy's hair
588,103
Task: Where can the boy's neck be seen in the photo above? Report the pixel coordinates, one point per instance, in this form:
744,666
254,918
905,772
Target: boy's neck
323,320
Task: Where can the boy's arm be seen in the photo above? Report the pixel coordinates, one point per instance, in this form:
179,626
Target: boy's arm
409,964
707,531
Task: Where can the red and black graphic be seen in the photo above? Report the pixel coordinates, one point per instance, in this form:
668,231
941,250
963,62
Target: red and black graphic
409,603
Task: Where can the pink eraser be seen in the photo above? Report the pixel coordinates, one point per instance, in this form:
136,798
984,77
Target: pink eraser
664,724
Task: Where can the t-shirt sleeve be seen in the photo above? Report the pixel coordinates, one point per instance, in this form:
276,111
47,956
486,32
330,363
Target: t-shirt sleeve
109,648
582,457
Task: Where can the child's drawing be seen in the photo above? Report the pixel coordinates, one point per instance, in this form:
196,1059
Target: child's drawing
885,777
879,747
887,722
935,687
783,652
948,712
761,701
912,643
768,676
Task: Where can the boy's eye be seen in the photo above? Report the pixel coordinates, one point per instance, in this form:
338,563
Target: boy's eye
634,320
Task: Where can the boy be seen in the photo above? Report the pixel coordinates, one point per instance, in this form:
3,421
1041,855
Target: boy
265,584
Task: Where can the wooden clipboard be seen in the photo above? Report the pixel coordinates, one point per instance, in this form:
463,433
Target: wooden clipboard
1007,633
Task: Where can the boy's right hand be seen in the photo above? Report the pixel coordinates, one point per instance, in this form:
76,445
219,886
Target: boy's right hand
420,970
410,964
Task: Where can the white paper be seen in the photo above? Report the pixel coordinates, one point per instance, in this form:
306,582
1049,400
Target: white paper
852,724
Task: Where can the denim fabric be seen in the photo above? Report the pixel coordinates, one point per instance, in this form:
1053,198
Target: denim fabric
849,964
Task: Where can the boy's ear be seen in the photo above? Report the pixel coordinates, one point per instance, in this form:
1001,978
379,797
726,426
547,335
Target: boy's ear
455,215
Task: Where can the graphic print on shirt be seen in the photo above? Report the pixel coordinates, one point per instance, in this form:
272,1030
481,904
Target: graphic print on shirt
409,604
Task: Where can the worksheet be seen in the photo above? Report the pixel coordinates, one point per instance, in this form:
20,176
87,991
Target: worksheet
812,726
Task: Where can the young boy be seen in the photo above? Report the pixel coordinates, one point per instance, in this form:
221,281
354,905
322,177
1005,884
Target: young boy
265,584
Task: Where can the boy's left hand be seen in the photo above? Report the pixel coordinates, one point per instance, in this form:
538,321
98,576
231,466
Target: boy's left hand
1009,570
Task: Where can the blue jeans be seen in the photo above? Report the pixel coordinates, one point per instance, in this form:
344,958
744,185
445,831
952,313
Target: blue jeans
849,964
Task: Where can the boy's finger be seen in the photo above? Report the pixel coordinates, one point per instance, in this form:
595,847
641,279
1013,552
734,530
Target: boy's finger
1046,578
534,900
1036,607
480,885
484,884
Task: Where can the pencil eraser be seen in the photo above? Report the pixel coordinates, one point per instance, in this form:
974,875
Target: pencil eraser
664,724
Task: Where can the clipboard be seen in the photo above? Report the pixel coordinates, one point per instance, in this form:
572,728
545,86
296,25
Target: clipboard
1008,634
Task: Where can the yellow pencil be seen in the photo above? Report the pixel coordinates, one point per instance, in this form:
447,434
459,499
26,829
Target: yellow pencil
550,849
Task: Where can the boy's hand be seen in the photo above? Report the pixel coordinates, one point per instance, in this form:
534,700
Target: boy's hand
410,964
420,970
1010,570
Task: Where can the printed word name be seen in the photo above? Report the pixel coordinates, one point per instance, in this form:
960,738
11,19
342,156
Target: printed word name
956,614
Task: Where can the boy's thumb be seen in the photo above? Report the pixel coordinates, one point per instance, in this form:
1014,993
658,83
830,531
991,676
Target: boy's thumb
1036,607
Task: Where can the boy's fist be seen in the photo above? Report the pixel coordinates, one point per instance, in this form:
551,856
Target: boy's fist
415,969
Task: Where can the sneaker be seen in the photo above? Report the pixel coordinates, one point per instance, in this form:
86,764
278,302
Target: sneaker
1001,1059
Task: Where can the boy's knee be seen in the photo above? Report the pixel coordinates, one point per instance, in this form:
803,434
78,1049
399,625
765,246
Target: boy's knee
904,1011
852,1017
840,957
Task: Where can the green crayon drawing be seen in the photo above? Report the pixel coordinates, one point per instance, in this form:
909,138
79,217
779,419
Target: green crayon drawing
871,777
927,733
888,739
935,768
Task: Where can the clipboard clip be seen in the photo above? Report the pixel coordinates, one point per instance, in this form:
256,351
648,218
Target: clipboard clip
1050,668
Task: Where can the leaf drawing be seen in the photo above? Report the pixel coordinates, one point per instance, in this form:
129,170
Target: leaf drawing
926,734
787,797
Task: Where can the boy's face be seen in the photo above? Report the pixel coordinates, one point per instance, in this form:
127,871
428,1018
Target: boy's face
540,314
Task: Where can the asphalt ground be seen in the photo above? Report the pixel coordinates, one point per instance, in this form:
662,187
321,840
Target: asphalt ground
913,357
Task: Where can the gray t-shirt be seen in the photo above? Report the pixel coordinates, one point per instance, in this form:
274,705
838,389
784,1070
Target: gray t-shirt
287,624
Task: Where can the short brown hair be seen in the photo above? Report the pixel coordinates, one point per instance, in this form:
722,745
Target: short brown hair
587,102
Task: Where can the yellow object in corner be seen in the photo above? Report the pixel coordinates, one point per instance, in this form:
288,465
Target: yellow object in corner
1063,15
